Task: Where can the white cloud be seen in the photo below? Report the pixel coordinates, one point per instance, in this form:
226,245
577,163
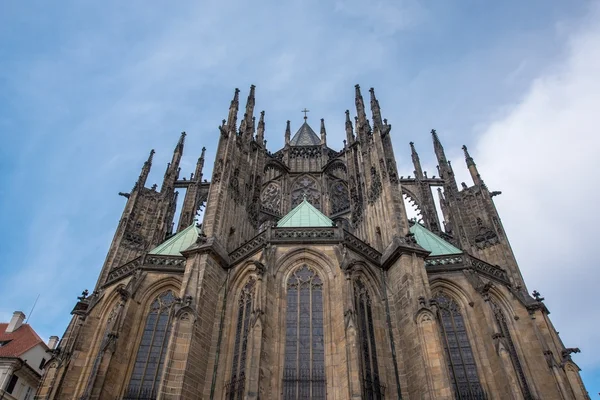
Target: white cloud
543,155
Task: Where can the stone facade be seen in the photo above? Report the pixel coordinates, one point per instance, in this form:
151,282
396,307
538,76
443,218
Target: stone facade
358,310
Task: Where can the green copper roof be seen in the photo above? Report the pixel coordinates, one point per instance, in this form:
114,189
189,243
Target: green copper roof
432,242
304,215
174,245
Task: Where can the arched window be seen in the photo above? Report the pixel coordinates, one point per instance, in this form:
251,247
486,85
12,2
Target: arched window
372,388
461,363
304,369
145,379
235,387
505,335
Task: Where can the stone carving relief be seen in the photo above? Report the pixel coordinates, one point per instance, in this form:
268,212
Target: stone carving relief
340,199
271,198
306,187
375,189
234,186
357,205
485,236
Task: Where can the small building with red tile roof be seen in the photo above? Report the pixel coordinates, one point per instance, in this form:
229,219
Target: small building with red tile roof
22,357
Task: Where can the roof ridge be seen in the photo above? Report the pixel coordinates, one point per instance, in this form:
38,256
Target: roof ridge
431,242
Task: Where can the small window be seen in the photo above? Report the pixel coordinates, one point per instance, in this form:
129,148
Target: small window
4,342
12,384
42,363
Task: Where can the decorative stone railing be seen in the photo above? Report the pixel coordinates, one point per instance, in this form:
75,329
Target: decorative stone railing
465,261
149,261
361,247
248,248
302,234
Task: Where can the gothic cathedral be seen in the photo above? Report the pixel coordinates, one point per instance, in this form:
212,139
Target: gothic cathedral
306,280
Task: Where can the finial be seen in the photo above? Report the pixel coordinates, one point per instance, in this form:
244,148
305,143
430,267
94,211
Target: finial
305,111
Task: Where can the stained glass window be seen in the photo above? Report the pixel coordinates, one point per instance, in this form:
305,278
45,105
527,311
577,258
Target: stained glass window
145,379
503,326
459,356
304,368
372,387
235,387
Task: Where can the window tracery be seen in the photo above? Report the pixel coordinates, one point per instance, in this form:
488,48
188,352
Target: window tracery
145,380
306,187
459,355
271,198
304,367
235,387
340,198
372,387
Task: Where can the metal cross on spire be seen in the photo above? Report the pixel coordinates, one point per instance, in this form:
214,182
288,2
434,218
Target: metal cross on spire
305,111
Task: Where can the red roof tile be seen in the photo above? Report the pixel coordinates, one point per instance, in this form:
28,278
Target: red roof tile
21,340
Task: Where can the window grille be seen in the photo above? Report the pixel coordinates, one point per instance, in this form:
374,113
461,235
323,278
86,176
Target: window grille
372,387
235,388
304,367
459,356
144,381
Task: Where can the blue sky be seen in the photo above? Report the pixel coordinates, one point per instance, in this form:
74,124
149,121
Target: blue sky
88,88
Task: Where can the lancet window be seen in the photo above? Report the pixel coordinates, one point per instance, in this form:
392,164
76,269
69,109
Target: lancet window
459,355
304,368
235,387
512,351
372,387
150,357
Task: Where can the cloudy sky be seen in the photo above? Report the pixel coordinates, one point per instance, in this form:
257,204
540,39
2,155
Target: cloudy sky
88,88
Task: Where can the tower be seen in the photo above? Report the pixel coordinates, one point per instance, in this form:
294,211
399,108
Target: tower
306,279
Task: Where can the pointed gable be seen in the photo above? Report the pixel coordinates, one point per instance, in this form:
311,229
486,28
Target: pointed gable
304,215
432,242
305,137
16,343
174,245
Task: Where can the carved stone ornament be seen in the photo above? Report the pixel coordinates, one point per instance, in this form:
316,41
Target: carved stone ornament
306,187
357,205
340,199
271,198
218,170
375,189
234,186
485,236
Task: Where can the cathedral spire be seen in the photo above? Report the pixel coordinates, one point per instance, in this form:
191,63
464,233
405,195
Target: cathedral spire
416,161
172,172
260,136
472,167
200,166
444,166
438,148
249,115
288,133
362,124
233,111
323,133
349,129
376,111
141,182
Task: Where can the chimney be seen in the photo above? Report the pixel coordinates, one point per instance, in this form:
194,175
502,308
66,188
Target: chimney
52,342
15,322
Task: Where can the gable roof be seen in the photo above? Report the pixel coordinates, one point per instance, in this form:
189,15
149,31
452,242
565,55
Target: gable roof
432,242
19,341
304,215
174,245
305,137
